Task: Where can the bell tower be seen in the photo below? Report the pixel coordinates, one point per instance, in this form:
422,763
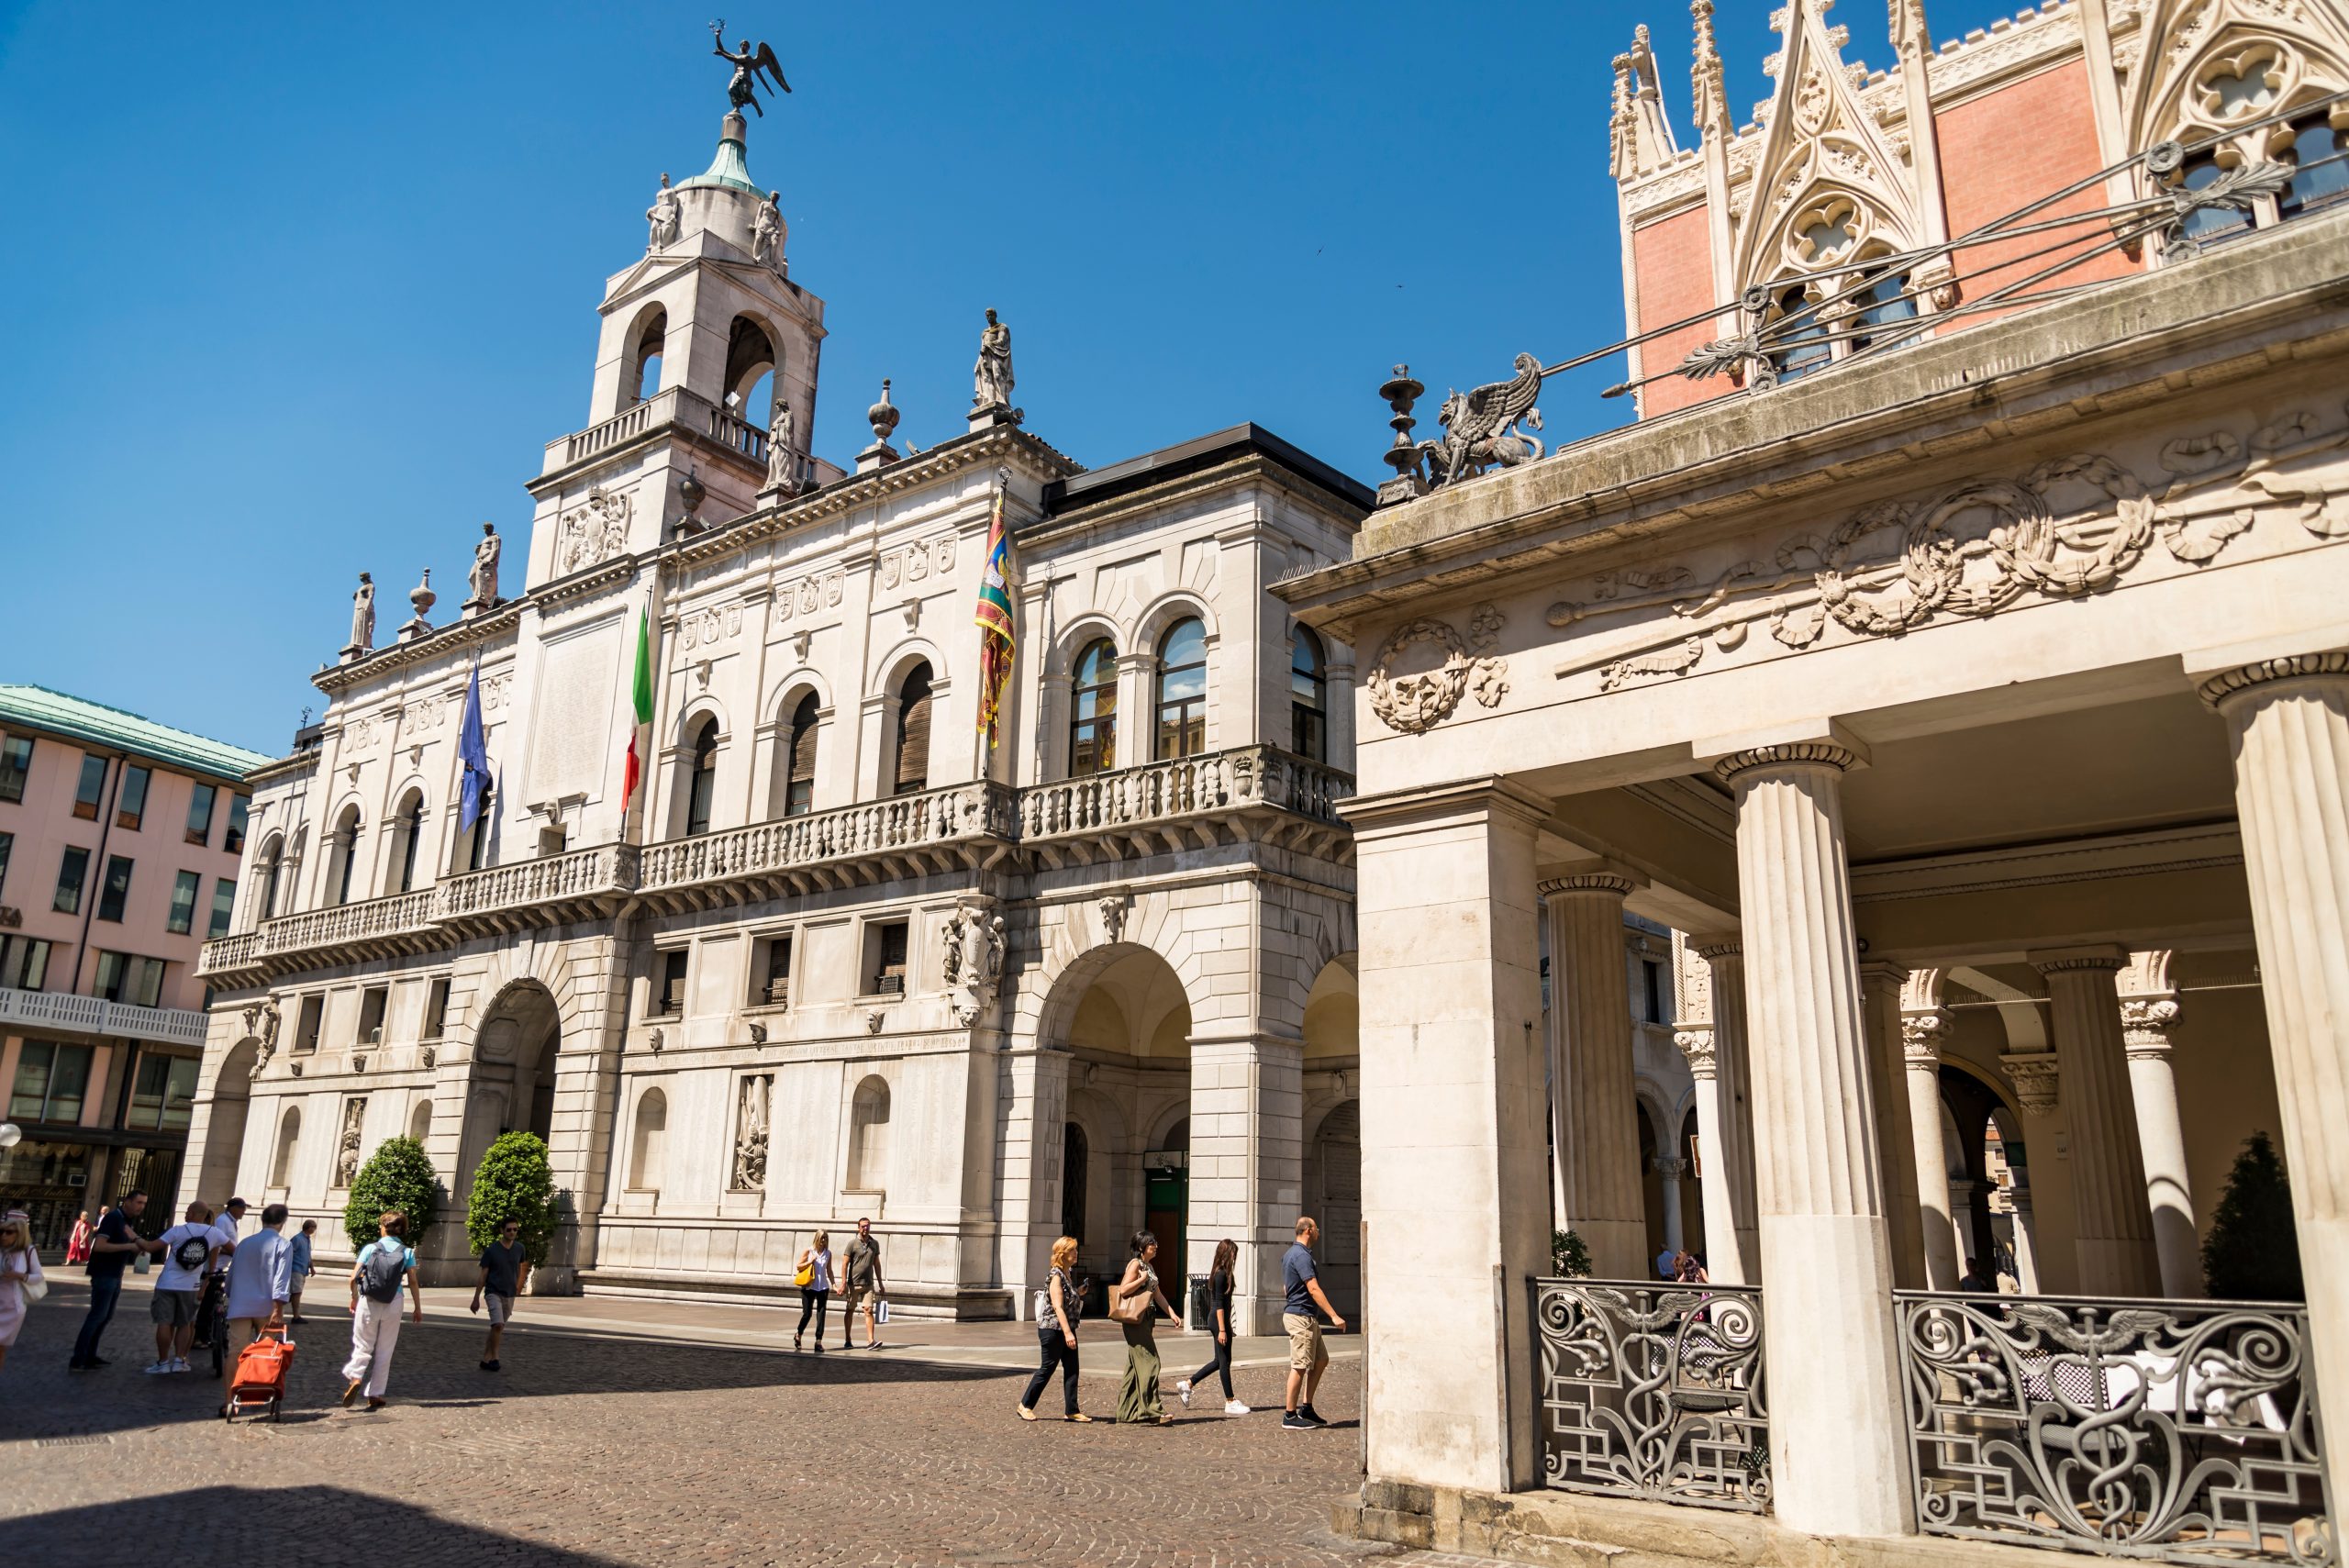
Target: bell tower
689,331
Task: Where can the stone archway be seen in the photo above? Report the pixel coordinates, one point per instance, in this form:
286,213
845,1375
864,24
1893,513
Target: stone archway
1333,1197
509,1086
225,1111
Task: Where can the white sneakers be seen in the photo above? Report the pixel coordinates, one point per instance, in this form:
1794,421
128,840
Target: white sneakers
179,1363
1182,1392
160,1368
1235,1408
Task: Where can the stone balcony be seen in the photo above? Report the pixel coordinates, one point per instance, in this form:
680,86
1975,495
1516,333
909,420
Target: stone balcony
58,1012
1194,802
674,408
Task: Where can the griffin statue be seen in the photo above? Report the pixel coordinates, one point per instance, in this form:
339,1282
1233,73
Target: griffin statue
1480,427
748,64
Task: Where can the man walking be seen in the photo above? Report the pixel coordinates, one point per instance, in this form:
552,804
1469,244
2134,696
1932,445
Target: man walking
1307,1357
115,1245
299,1247
188,1247
503,1268
260,1281
862,1262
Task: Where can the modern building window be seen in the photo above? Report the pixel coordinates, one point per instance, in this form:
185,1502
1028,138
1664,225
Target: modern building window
130,805
669,994
342,855
181,918
651,1141
1093,710
373,1003
8,847
435,1009
1309,696
127,977
701,785
73,870
289,1139
408,833
233,842
224,906
305,1027
116,894
773,972
199,813
911,775
868,1137
799,777
15,766
1183,690
884,958
163,1092
24,962
51,1081
90,790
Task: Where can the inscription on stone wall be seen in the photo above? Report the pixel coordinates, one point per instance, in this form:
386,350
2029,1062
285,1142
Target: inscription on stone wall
571,733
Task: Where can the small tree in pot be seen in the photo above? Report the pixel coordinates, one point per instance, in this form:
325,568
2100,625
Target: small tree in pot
398,1176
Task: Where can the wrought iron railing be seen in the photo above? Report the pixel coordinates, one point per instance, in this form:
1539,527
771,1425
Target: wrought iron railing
1654,1391
2185,1430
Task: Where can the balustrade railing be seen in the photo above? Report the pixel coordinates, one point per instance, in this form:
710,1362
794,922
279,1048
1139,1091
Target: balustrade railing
71,1013
740,434
907,821
673,405
578,873
400,915
1654,1390
1154,792
2185,1430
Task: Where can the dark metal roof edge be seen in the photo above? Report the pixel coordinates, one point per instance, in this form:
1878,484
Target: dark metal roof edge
1201,452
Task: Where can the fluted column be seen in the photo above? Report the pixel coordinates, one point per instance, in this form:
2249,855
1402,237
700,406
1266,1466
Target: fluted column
2113,1227
1715,1046
2289,720
1669,1169
1595,1116
2149,1011
1921,1029
1839,1449
1880,986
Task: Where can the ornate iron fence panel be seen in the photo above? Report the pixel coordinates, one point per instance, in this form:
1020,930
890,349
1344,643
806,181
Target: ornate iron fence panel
1654,1390
2185,1430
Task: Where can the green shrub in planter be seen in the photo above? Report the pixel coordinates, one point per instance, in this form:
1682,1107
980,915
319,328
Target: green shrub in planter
398,1176
515,1181
2253,1252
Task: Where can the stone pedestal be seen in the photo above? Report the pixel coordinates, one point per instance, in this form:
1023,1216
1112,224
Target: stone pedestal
1838,1449
2289,718
1592,1074
1880,986
1921,1032
2112,1224
1247,1164
2147,1017
1717,1062
1453,1181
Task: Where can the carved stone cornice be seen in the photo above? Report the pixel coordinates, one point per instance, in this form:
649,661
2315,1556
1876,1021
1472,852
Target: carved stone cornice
2145,1025
1921,1037
1593,882
1716,949
2069,962
2217,688
2037,1087
1795,754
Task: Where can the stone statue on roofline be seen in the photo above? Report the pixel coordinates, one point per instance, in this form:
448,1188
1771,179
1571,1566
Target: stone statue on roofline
766,232
754,69
483,579
363,618
783,446
665,216
991,377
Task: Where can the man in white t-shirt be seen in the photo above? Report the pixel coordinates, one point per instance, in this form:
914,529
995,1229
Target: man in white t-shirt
188,1251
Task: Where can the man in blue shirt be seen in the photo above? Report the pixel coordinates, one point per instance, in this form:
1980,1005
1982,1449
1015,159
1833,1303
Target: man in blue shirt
1308,1358
260,1281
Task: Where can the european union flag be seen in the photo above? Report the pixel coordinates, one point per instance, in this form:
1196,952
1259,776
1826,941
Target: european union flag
474,750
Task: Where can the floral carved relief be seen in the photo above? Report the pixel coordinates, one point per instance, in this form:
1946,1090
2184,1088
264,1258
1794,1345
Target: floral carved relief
1413,702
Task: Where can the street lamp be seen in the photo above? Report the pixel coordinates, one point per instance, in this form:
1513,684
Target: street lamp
10,1135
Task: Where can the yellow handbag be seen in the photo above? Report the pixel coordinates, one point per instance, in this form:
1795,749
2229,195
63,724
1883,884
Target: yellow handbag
807,1275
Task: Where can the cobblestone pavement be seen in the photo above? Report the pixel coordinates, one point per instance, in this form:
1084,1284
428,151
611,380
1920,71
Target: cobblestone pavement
603,1449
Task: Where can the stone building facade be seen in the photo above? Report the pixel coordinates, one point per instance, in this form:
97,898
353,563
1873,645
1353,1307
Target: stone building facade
837,957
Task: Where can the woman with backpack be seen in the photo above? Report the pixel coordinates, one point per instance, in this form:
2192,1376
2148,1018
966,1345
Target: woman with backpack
385,1265
814,1279
1058,1308
1227,1256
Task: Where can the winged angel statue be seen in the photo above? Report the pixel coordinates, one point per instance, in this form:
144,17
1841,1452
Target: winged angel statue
743,91
1480,427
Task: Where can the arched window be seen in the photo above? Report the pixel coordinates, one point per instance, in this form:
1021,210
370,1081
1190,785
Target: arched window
750,356
868,1137
1093,711
1309,696
650,1145
1075,1156
289,1137
272,867
2316,182
342,855
2209,223
799,759
1183,690
912,774
420,1121
644,375
701,784
1886,301
1796,334
408,835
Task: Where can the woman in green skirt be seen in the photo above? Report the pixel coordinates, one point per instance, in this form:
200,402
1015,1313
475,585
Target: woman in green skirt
1132,1305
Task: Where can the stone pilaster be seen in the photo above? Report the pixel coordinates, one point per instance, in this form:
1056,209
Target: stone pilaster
1454,1186
1880,986
1596,1116
2112,1226
2289,720
1716,1061
1923,1024
2149,1011
1032,1101
1247,1163
1838,1449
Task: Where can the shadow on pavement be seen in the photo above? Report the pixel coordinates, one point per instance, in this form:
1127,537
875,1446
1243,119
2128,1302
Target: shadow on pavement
288,1529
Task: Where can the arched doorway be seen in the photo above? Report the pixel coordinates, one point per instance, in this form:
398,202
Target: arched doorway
224,1127
1333,1197
514,1051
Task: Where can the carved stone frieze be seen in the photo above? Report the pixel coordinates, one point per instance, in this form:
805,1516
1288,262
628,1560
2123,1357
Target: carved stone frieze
592,534
1414,702
806,596
754,1100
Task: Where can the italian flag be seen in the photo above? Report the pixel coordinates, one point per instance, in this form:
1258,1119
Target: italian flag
642,697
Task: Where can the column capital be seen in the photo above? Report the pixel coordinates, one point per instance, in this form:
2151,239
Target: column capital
2113,959
1920,1036
1669,1166
1792,754
2216,689
2036,1082
1592,881
1702,1050
2146,1023
1716,946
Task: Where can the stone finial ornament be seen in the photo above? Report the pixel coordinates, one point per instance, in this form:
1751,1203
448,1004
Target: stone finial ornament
883,416
420,598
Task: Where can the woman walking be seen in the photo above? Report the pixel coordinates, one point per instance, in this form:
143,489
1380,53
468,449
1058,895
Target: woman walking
1059,1307
815,1282
1132,1304
385,1265
1226,1255
21,1280
77,1245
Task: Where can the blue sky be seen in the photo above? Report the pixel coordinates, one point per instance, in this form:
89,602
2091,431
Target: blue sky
299,292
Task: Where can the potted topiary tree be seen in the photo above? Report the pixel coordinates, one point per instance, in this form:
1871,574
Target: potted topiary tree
398,1176
2253,1252
515,1181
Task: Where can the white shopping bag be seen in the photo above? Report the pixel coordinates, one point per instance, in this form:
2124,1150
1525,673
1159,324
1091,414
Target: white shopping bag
881,1310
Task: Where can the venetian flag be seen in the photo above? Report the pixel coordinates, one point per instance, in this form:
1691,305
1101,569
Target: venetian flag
473,750
993,620
642,699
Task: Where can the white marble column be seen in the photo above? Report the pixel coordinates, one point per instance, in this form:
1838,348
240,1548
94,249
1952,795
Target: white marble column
1838,1449
2289,720
2149,1011
1453,1181
2113,1229
1713,1039
1593,1100
1922,1025
1880,986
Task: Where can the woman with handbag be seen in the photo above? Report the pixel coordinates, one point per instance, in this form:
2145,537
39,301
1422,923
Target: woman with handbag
21,1283
1132,1304
814,1279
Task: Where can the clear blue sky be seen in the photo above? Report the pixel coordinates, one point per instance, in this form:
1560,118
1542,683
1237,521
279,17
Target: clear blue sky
296,292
